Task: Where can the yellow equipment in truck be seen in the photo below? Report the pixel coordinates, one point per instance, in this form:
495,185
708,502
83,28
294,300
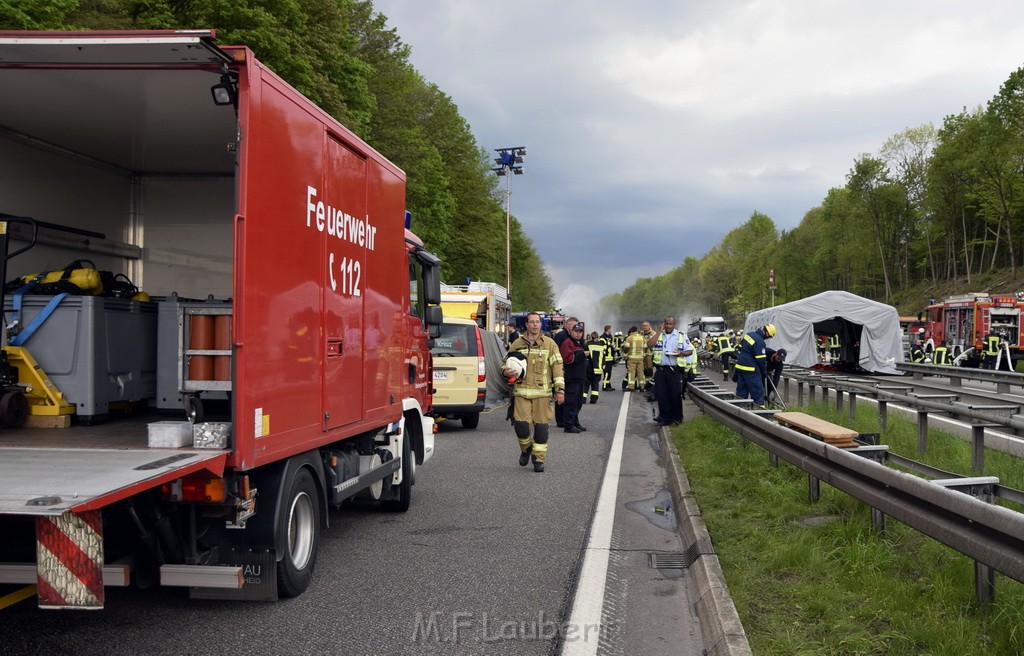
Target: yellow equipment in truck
42,395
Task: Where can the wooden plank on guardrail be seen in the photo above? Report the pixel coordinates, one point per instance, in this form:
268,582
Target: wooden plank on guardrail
838,436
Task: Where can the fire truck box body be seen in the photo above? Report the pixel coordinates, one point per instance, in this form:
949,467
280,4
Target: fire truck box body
961,322
207,176
487,303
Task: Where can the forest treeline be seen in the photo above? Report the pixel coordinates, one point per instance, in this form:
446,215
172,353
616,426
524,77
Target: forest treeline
933,204
343,55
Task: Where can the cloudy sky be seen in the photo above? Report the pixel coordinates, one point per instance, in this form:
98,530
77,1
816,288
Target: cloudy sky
654,127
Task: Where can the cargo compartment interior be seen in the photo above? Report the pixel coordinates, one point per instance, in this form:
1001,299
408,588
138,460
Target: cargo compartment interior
143,157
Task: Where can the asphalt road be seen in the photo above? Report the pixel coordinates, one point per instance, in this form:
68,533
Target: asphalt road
486,561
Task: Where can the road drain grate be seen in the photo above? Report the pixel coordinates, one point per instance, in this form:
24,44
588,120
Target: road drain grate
680,560
667,560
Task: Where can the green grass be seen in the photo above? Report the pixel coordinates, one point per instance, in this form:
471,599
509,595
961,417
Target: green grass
839,587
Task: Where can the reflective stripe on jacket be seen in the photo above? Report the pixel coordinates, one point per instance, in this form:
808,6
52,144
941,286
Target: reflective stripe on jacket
750,355
634,347
596,348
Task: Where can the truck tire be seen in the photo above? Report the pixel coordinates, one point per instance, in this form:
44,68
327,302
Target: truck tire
471,420
299,526
402,493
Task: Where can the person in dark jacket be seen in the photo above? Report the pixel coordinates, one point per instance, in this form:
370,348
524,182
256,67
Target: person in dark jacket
751,365
513,333
576,368
776,360
560,336
596,349
609,358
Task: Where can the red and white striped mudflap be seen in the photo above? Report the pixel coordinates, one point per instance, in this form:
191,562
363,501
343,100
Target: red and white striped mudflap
69,560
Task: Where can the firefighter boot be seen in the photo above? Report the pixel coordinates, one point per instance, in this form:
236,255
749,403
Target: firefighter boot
540,446
522,429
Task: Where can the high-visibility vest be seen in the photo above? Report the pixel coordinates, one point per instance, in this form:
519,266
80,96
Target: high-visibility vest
992,344
596,349
690,362
941,355
725,344
833,341
659,349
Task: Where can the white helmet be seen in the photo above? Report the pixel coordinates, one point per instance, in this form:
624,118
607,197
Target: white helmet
518,366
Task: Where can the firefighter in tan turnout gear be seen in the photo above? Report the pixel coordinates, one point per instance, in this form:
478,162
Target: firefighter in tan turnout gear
531,401
633,349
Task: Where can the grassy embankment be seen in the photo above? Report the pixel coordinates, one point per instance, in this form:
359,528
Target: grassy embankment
816,579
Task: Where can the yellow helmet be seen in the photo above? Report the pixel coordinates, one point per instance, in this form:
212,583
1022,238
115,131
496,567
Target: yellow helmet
769,330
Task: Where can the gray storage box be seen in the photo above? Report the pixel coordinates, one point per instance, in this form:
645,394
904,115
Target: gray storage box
96,350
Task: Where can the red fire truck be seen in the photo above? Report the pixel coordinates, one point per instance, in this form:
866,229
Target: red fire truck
287,295
961,322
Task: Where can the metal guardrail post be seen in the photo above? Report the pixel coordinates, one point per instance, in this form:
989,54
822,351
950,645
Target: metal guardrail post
853,406
922,431
813,488
981,488
839,399
883,414
978,448
810,392
799,392
785,390
877,521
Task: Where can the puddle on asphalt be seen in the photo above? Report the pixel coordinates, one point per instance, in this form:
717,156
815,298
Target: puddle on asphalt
659,510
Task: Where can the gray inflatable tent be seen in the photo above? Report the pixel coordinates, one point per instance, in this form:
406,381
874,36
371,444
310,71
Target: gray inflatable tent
869,331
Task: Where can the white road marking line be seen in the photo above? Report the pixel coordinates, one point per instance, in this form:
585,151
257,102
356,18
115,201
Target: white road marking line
583,630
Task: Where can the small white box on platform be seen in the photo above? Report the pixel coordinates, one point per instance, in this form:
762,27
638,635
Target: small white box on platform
211,435
170,434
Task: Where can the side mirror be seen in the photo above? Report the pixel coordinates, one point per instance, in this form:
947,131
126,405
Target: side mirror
433,332
431,277
435,316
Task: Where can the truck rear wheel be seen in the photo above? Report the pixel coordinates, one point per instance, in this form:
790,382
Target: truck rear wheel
403,491
299,525
471,420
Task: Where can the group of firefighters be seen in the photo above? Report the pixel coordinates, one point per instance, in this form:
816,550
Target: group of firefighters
991,346
571,367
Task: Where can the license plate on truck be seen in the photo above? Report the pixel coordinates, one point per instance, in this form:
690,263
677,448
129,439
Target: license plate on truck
440,375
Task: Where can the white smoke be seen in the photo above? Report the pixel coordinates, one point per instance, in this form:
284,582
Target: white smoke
585,304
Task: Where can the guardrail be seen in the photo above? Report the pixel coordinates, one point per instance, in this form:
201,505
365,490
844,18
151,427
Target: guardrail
968,522
885,391
1003,379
